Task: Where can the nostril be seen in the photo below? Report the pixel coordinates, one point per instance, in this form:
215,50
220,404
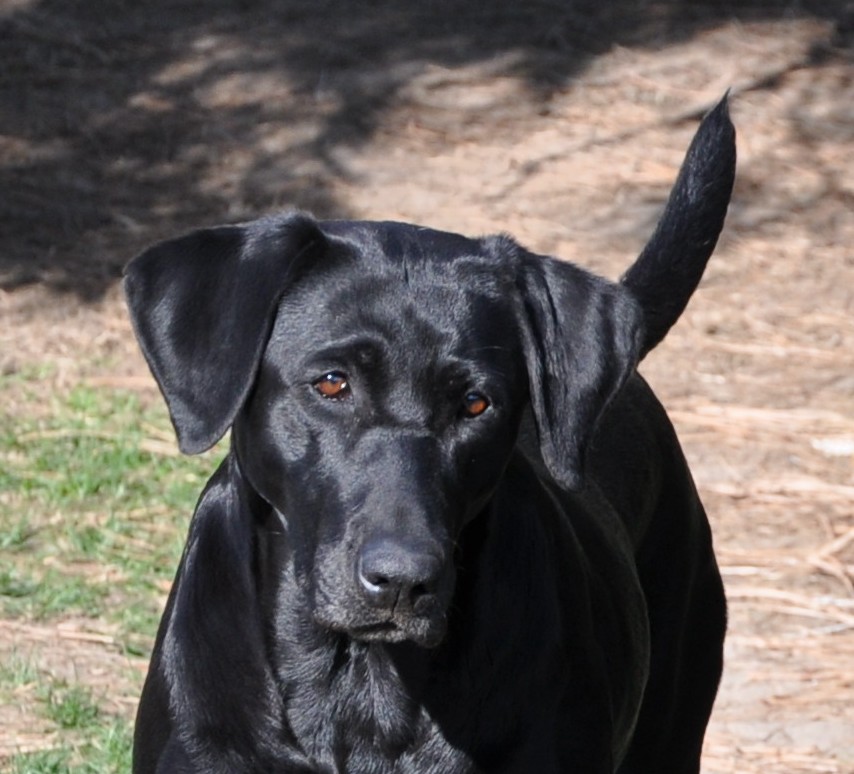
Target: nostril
393,572
373,581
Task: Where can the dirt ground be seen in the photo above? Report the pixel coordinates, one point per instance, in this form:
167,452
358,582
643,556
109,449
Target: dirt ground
562,123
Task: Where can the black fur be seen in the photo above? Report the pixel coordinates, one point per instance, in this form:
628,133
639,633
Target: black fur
484,554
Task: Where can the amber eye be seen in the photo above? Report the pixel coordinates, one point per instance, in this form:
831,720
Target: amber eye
475,404
333,385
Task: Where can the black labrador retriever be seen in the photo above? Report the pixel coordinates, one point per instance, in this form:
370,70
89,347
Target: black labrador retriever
455,531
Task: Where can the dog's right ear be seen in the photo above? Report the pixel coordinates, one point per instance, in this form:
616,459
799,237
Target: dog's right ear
202,307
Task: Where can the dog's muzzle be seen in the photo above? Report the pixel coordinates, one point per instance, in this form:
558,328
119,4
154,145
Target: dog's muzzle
402,581
399,591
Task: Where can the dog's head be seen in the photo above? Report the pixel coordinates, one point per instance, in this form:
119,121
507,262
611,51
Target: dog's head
375,375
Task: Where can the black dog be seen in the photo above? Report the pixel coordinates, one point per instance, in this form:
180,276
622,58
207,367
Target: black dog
455,531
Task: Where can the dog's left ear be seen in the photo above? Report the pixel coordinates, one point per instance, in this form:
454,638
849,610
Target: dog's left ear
588,334
583,336
202,307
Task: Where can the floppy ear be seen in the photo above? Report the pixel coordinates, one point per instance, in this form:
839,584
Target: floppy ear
202,307
582,340
669,268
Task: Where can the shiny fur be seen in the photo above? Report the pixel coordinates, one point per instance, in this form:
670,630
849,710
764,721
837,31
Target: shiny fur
483,553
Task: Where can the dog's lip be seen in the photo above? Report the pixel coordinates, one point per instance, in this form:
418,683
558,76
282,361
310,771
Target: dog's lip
427,637
379,628
421,631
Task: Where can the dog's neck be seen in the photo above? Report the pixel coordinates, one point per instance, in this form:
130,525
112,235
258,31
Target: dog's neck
344,698
340,695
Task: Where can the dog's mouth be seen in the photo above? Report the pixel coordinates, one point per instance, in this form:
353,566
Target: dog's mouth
422,621
425,631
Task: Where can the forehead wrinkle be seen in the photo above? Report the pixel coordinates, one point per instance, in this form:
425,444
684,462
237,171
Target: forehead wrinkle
434,304
372,304
457,320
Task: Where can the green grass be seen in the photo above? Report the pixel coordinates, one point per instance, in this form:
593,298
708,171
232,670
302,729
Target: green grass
70,707
94,507
103,748
87,739
16,671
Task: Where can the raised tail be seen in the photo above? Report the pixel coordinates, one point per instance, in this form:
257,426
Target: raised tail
669,268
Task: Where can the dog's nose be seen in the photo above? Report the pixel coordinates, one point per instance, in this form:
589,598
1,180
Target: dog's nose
399,573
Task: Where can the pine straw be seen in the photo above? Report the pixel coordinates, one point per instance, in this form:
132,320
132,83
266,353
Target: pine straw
731,758
782,507
789,681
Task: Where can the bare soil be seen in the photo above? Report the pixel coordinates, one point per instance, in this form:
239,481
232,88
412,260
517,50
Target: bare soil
562,123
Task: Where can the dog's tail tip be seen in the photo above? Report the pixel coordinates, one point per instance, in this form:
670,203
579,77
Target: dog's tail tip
718,123
671,265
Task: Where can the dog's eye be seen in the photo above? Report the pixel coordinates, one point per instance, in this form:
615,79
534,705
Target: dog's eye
474,404
333,385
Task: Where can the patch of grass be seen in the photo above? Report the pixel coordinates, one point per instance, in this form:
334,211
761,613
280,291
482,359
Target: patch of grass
94,451
16,535
17,670
106,749
54,761
70,707
14,586
94,505
84,738
110,749
53,593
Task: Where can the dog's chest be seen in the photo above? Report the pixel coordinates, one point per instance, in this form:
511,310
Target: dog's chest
355,714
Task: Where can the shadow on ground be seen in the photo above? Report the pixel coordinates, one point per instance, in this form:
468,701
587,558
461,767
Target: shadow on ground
121,122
